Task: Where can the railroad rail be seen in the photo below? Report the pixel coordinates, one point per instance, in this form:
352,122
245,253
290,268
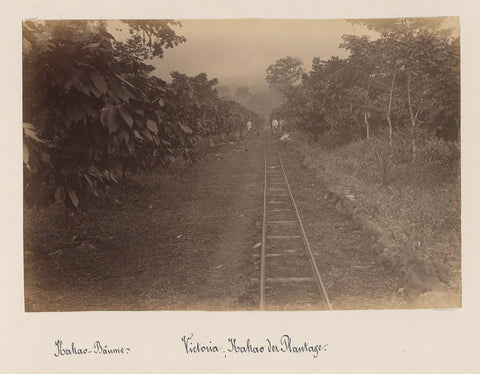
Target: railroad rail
289,276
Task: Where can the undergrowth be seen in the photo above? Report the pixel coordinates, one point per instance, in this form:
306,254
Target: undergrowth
415,196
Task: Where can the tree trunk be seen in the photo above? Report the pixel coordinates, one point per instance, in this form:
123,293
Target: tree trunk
390,130
367,125
413,118
389,120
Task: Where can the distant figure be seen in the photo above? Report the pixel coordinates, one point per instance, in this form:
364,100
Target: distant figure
249,126
281,124
274,124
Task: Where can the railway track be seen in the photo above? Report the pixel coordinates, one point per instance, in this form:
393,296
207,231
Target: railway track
289,276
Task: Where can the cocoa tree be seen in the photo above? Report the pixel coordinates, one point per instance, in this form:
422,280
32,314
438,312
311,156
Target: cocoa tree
407,78
95,108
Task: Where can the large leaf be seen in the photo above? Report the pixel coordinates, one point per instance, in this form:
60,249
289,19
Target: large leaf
29,132
147,134
185,128
137,134
103,116
60,193
89,181
126,94
82,85
26,46
112,121
126,116
152,126
26,155
118,88
73,197
95,91
99,82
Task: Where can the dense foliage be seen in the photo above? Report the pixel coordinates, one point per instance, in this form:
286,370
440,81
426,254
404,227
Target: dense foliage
93,110
405,81
285,72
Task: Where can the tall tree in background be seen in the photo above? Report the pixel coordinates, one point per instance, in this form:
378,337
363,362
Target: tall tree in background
285,73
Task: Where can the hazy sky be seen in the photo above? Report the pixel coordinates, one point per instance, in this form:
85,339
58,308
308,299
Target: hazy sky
237,52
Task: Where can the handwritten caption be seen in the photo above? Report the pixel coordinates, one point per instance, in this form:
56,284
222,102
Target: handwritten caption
96,348
285,345
191,346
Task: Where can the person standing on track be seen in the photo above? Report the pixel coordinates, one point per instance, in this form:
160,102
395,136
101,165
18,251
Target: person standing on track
275,124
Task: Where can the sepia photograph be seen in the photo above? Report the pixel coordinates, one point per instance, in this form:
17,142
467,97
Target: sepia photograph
241,164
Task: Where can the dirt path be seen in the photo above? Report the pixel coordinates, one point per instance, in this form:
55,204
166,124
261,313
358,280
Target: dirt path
186,242
234,185
182,243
